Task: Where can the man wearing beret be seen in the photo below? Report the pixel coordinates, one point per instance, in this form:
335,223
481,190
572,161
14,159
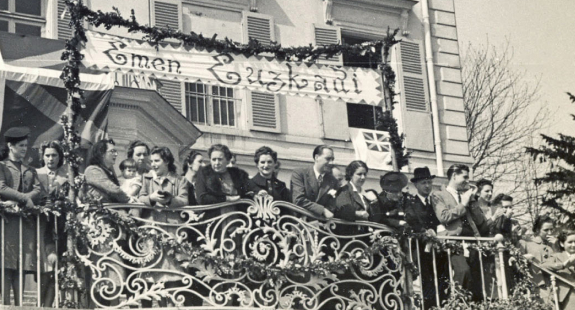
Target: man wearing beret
391,200
19,187
420,216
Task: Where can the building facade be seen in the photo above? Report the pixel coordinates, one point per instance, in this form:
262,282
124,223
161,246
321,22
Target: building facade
429,105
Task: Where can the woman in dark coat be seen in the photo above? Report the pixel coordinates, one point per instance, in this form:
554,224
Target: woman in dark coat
217,183
265,180
353,203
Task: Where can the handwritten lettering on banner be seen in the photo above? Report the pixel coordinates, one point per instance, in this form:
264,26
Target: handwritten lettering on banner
111,53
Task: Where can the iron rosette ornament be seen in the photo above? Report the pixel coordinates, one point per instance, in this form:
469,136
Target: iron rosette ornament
259,254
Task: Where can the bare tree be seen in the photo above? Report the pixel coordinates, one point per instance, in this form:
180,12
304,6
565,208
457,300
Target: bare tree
502,111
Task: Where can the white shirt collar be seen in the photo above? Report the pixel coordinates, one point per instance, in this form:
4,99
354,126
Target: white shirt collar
317,174
422,198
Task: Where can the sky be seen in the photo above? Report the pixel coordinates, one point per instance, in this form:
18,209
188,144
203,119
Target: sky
542,35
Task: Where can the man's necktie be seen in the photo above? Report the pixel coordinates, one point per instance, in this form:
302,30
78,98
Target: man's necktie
427,203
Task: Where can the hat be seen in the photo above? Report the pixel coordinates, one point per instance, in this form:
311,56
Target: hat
421,174
16,134
393,181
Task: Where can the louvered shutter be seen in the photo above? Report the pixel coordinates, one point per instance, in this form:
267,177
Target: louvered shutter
172,92
167,13
414,95
64,30
259,27
325,36
264,112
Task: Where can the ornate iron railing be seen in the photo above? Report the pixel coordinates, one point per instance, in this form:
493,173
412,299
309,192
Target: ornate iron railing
250,254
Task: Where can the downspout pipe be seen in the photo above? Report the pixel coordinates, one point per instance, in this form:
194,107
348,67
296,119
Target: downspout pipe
432,87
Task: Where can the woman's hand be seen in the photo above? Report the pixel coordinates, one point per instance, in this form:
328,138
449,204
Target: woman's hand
232,198
52,257
160,197
362,215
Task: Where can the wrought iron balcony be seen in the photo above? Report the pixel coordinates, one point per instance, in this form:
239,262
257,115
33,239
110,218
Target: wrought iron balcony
251,254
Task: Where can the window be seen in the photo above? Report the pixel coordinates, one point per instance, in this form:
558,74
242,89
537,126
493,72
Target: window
363,61
22,16
362,115
207,104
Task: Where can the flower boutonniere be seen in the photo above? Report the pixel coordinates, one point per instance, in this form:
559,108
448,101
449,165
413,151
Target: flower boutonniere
332,192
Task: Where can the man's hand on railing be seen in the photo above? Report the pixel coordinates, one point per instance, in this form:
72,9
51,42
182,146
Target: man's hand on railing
362,215
233,198
328,214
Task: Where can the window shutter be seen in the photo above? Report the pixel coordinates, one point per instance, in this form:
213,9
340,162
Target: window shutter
172,92
265,112
334,115
167,13
64,30
325,36
259,27
414,96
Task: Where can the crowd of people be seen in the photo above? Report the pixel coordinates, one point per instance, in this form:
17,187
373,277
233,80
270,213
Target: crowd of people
150,176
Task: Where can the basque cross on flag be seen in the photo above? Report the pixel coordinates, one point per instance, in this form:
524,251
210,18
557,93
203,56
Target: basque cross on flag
372,147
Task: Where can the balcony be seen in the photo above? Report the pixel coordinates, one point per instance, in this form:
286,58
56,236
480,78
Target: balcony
252,254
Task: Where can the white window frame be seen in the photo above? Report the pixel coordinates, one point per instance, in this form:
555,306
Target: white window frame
209,105
12,17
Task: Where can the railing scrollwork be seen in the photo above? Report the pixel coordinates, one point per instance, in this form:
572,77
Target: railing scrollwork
257,253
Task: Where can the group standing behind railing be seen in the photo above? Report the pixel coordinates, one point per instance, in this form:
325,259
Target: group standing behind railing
149,176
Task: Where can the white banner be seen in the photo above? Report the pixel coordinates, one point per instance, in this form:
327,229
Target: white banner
111,53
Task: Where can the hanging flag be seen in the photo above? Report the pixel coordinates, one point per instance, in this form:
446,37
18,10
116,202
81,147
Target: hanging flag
33,95
40,107
372,147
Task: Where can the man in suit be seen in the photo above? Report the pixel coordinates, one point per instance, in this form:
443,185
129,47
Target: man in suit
314,188
420,217
452,207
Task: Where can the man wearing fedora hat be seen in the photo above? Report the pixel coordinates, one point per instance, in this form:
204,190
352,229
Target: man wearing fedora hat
420,216
419,213
391,200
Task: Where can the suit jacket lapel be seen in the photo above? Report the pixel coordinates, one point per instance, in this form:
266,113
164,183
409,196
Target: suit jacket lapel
358,199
